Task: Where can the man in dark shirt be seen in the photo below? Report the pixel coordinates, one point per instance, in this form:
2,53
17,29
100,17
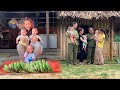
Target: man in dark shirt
90,46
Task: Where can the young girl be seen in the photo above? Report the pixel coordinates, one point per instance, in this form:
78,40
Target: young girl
24,39
29,55
85,42
34,40
72,38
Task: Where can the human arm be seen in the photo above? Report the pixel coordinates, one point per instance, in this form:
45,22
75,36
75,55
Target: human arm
83,40
30,37
40,38
76,35
17,39
89,37
33,57
25,54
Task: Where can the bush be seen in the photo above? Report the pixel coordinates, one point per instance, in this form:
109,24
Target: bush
116,38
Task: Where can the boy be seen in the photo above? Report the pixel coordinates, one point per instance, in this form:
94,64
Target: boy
29,55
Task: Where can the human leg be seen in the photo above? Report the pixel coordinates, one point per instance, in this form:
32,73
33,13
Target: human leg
75,50
70,53
37,49
89,53
96,56
101,58
92,55
21,51
82,55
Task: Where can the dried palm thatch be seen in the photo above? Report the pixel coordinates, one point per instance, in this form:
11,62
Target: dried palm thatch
89,14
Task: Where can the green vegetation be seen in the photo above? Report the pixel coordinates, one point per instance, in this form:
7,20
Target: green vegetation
117,38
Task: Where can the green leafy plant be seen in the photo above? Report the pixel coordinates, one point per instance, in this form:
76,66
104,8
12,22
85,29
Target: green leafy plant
39,66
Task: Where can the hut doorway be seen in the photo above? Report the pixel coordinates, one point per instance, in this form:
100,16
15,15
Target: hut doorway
85,27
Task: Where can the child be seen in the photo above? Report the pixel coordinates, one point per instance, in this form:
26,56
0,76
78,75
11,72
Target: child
96,35
72,38
29,55
85,44
24,39
34,39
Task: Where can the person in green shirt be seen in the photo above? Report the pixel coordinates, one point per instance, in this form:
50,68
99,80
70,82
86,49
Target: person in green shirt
72,47
90,46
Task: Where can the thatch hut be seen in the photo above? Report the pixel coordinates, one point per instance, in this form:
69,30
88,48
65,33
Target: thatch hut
96,19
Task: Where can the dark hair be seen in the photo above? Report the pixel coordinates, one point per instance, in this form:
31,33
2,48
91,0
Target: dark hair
102,30
90,28
73,23
80,29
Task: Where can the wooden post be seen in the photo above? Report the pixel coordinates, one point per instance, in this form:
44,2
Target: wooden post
47,29
61,43
64,41
111,41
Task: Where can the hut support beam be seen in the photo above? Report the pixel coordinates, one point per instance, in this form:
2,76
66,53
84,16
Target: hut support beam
61,42
111,41
47,29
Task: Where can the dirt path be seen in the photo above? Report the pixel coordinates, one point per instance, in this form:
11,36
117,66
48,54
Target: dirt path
31,76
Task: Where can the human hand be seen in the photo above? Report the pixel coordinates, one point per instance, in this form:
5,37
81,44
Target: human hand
16,42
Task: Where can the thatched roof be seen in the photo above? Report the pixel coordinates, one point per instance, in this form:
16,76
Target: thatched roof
89,14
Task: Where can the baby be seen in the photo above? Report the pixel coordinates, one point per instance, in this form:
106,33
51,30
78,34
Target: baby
29,55
34,39
96,35
85,40
72,36
24,39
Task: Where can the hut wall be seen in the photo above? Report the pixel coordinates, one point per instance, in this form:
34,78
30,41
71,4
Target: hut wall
95,23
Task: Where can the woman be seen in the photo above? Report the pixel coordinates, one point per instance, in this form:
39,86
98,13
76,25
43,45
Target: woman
28,25
99,60
81,56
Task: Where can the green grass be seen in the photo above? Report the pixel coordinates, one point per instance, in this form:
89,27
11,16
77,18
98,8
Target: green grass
109,70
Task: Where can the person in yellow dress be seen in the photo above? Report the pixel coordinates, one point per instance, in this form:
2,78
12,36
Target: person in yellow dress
99,48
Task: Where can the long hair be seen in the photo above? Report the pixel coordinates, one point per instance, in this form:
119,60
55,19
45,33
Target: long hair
30,20
102,30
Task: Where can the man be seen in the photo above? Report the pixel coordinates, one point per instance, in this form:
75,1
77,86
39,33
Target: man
90,46
72,47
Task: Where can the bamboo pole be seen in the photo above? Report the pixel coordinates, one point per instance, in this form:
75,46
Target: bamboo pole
111,42
61,40
64,39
